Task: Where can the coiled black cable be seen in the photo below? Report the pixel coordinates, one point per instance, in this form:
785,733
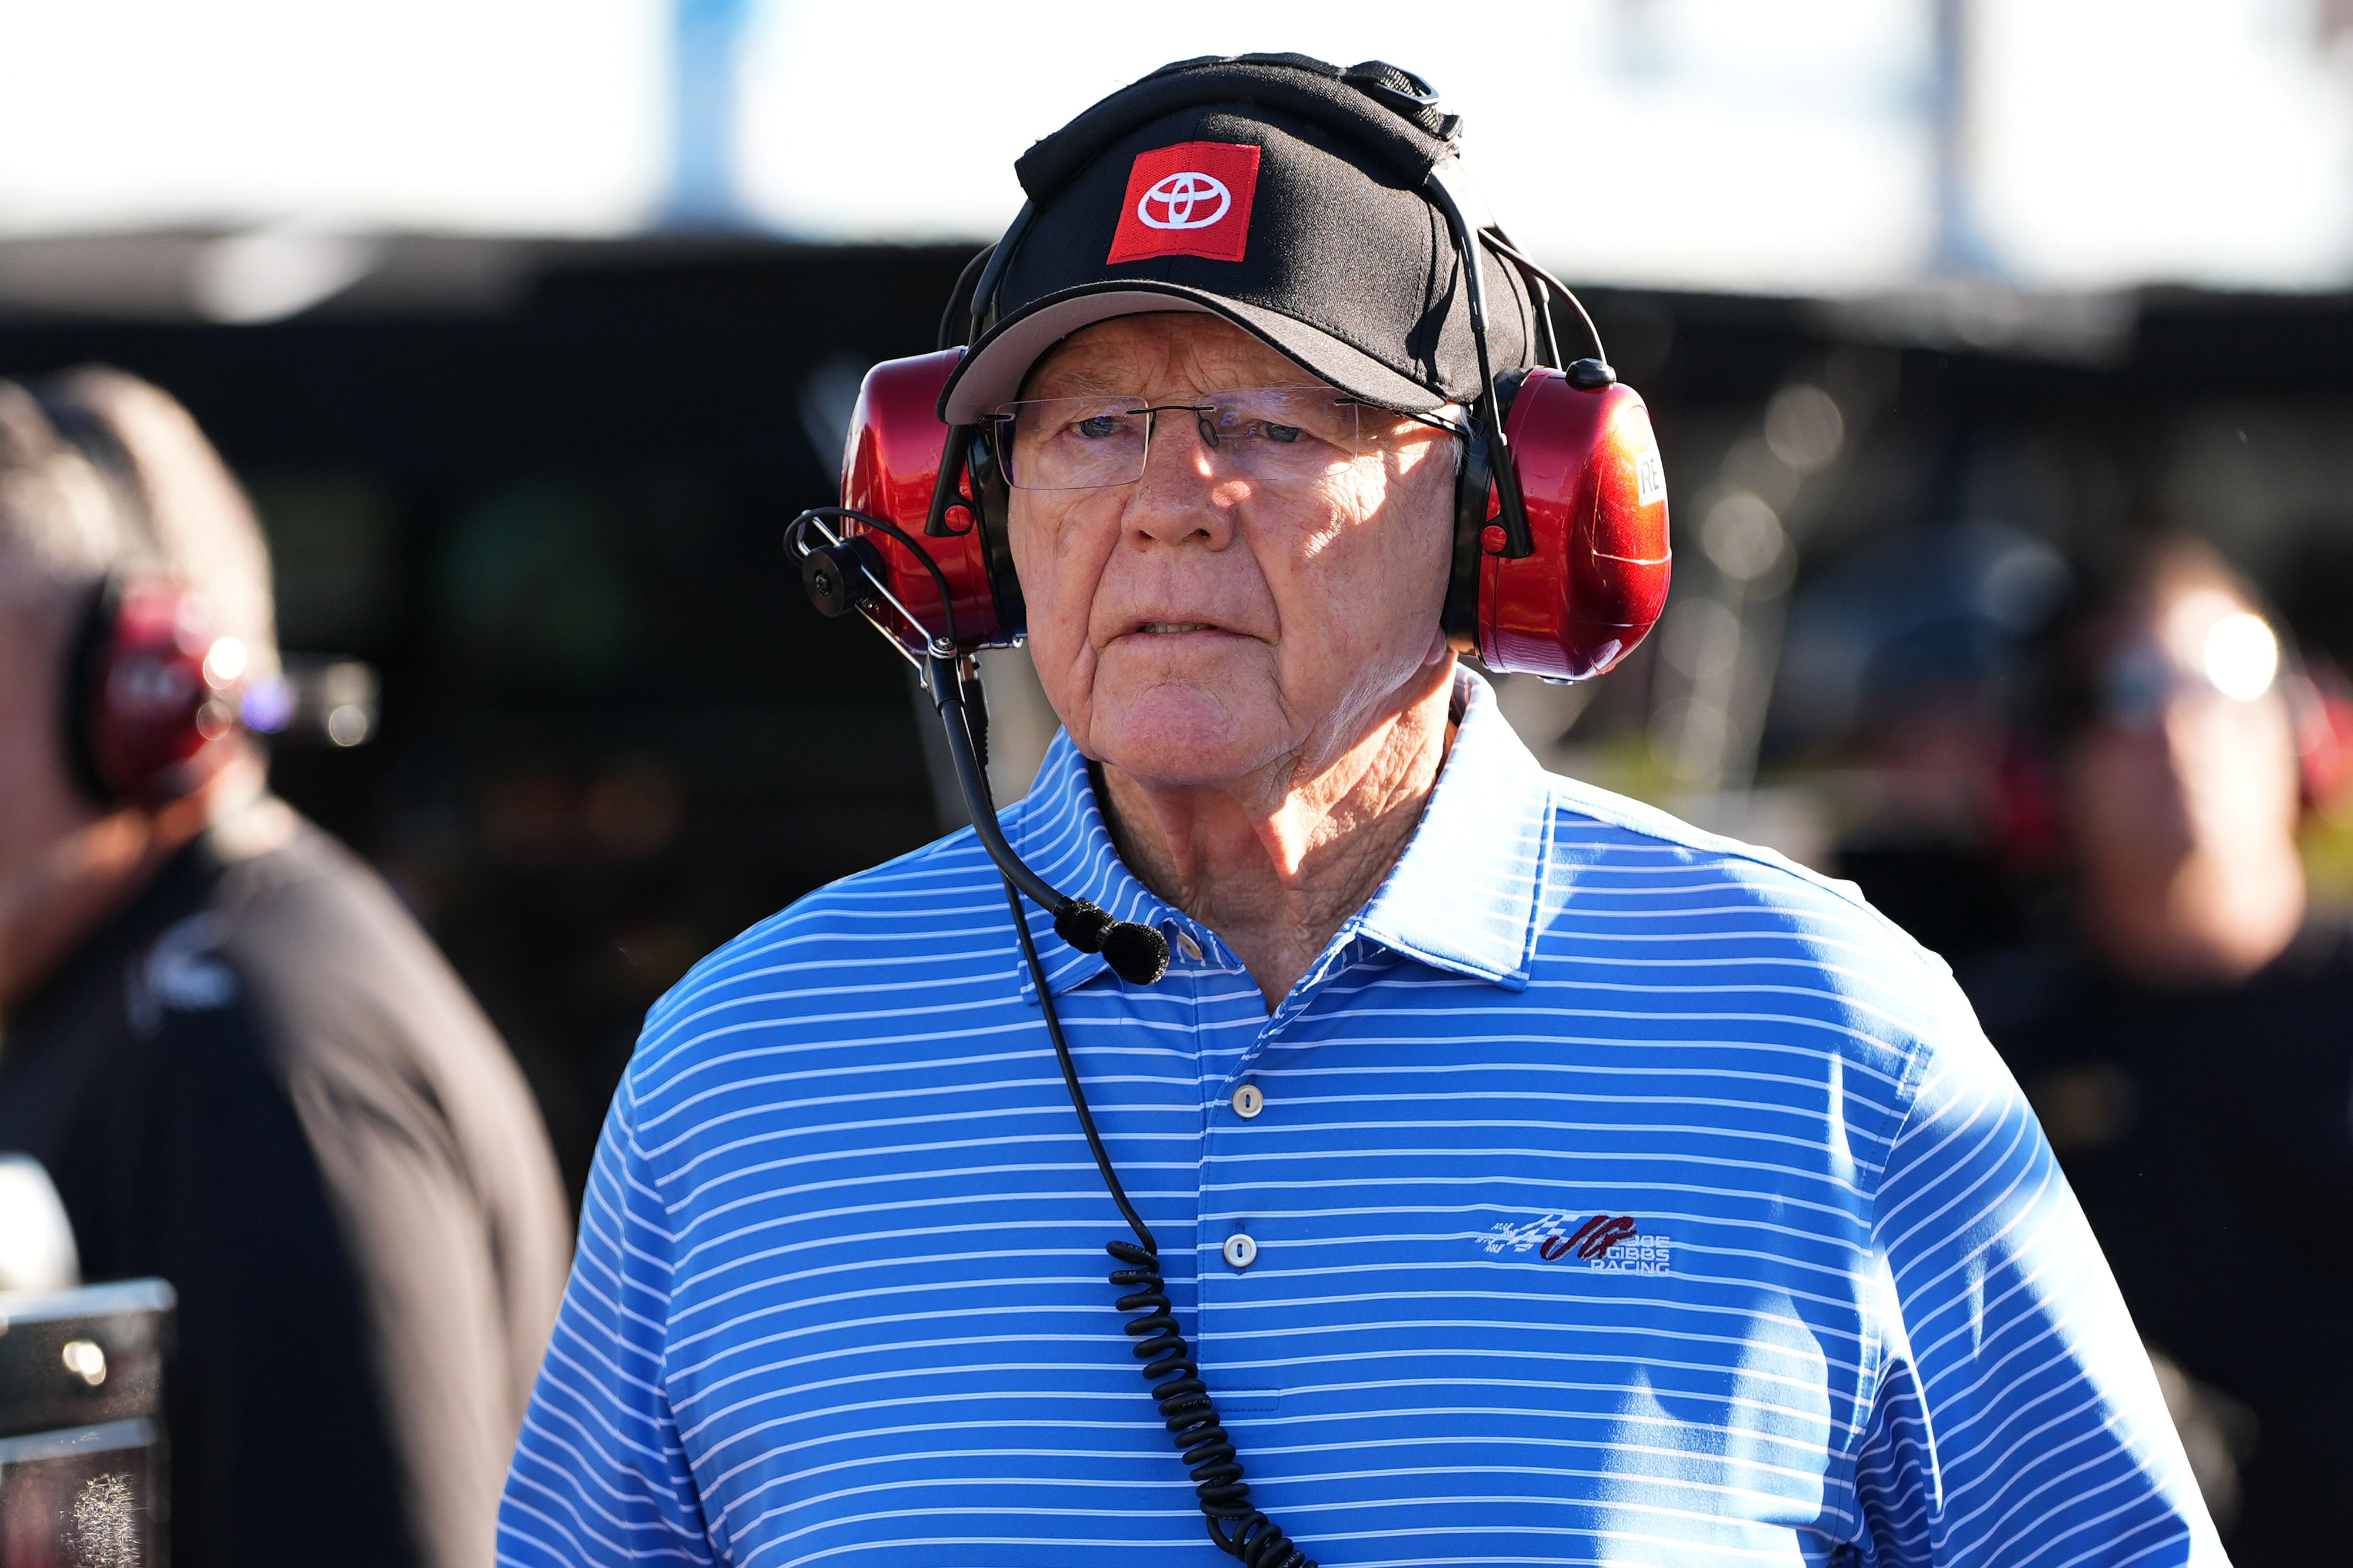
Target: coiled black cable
1240,1530
1191,1417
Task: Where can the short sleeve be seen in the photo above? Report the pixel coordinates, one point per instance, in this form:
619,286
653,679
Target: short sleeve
2016,1421
600,1476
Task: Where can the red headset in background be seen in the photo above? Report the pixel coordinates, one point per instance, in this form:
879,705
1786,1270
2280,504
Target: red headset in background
1590,477
151,691
2320,704
151,695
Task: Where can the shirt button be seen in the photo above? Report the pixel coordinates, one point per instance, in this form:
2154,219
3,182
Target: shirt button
1240,1250
1248,1102
1187,946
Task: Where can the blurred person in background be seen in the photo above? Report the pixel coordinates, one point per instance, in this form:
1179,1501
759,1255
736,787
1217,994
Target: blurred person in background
2184,1032
246,1069
1901,662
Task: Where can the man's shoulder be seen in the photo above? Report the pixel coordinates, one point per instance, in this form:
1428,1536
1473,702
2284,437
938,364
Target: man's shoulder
930,921
333,957
1594,829
1641,886
358,1017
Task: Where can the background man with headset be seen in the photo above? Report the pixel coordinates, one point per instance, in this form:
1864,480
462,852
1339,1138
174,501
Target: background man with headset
1493,1169
242,1063
2180,1024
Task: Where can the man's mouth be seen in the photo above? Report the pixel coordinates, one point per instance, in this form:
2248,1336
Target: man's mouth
1170,628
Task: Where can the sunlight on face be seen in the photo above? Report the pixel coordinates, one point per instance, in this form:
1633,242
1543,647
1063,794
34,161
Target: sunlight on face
2201,756
1222,612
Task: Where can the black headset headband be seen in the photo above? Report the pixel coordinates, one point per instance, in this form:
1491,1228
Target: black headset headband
1388,112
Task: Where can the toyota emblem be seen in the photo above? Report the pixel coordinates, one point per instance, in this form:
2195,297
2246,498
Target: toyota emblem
1188,200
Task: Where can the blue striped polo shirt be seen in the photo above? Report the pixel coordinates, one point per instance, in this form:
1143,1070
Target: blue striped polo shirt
1614,1192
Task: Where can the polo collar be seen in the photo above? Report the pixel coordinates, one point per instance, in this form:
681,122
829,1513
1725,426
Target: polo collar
1464,896
1064,836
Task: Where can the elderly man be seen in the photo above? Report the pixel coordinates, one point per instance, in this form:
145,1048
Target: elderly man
1535,1179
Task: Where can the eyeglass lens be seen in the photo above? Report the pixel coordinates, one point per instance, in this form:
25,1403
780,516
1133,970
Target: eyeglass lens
1274,436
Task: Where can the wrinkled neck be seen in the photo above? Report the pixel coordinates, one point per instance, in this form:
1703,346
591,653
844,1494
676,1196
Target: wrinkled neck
1277,861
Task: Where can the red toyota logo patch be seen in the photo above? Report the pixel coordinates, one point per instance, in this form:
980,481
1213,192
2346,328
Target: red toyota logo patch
1192,199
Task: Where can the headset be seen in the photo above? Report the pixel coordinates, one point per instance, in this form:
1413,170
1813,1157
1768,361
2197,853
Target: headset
1561,555
1560,567
153,693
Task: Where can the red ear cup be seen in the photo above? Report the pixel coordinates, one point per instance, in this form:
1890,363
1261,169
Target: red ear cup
152,696
1596,502
889,469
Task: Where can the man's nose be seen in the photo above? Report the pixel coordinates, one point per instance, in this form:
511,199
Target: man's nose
1182,497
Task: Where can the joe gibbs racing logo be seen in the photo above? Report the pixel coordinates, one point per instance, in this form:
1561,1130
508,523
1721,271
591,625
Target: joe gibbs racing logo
1604,1244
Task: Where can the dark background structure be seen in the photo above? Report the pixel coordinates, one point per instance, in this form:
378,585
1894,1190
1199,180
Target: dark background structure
541,486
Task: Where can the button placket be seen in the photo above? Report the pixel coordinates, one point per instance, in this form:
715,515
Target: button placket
1234,1273
1181,939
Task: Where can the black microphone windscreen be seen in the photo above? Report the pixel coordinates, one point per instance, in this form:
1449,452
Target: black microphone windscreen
1083,925
1137,953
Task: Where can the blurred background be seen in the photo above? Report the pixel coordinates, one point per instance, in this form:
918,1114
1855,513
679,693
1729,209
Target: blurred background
528,324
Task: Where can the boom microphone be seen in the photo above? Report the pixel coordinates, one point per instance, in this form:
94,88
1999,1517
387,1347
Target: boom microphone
1138,954
842,575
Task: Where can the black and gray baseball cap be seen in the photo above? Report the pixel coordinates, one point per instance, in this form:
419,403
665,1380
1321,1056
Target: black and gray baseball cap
1283,193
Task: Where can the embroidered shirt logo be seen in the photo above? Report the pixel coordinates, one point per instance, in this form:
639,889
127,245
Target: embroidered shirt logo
183,972
1192,199
1602,1243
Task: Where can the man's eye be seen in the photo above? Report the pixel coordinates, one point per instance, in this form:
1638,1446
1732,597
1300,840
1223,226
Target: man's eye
1101,425
1281,432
